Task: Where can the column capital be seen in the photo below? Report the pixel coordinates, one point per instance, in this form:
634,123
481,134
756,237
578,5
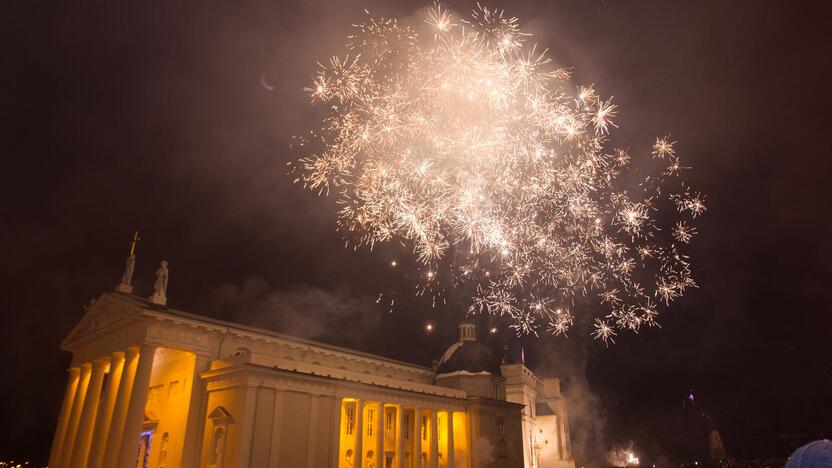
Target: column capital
131,352
204,356
146,347
100,363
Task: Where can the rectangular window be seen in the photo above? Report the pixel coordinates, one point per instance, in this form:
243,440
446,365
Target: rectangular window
370,414
406,428
350,419
424,428
389,420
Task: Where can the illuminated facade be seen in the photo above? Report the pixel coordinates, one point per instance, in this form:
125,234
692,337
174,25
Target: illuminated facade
154,387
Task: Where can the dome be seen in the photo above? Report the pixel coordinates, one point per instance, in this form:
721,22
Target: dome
468,355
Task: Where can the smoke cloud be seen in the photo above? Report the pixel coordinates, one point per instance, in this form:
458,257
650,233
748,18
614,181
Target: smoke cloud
337,317
567,360
483,452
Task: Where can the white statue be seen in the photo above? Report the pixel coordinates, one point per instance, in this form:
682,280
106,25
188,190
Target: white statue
129,267
126,285
160,288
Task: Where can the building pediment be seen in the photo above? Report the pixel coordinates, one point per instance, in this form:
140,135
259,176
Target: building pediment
109,310
220,416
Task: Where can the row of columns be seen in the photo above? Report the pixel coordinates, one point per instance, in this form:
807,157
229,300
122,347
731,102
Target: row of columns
100,427
433,444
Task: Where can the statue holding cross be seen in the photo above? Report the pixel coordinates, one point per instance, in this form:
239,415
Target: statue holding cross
126,285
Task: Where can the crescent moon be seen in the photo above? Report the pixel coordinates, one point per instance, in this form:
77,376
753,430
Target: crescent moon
265,84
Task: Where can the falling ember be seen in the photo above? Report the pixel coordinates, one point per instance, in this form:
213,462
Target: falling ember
429,327
459,139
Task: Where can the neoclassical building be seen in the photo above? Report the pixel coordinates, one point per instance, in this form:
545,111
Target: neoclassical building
154,387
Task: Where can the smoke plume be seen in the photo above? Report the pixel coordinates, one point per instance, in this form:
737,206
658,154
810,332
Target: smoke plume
335,317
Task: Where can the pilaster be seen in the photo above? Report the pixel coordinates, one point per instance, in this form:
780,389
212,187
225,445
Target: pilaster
195,425
434,439
277,429
359,434
312,434
417,438
451,456
399,438
380,427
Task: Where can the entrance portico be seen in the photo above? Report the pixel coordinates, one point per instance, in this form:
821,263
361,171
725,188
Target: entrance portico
124,364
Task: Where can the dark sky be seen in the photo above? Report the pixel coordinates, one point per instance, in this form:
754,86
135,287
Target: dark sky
153,116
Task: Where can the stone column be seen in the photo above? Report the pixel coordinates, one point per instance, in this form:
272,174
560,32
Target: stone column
112,447
434,439
451,456
399,437
89,414
416,455
135,409
359,435
63,419
75,416
195,424
380,427
105,414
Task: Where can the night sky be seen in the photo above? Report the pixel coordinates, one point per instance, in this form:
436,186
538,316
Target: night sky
175,118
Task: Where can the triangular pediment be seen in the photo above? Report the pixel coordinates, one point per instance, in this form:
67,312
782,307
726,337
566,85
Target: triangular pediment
108,310
150,417
220,415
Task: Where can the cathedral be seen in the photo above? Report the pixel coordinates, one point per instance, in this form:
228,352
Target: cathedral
153,387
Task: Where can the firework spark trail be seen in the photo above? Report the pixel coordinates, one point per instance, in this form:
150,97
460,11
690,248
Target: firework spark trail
458,136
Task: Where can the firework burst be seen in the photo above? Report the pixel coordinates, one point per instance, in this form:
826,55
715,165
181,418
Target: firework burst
458,138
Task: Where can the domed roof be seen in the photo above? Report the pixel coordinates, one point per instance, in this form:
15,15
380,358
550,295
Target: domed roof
468,355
